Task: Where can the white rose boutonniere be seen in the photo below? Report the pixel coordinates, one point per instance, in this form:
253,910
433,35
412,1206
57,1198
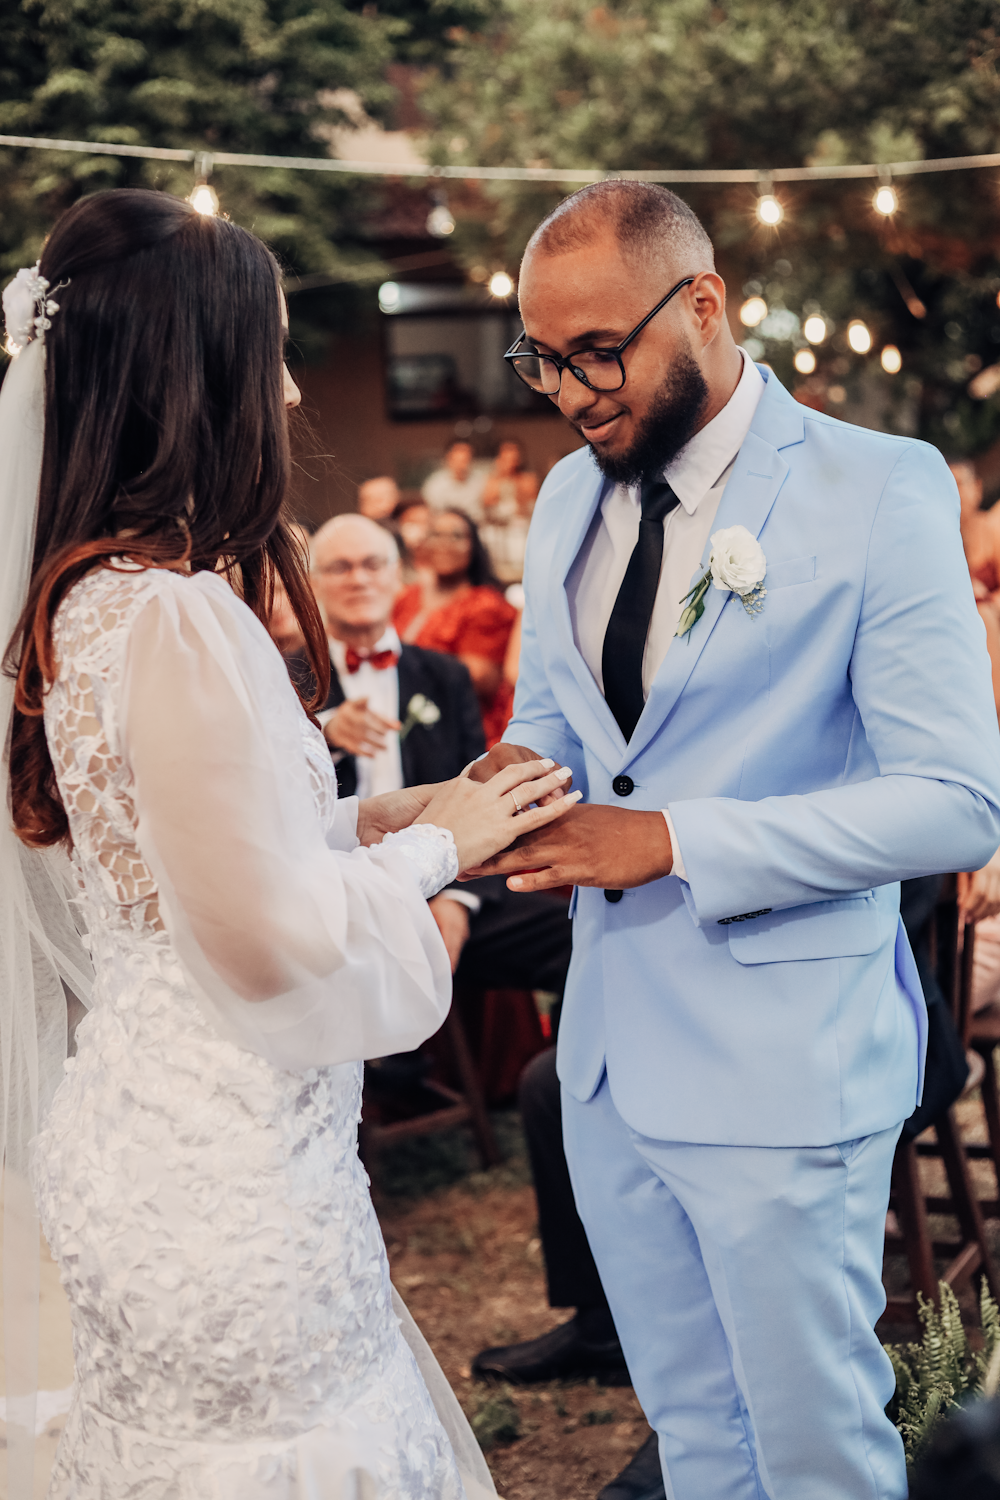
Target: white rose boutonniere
419,710
736,564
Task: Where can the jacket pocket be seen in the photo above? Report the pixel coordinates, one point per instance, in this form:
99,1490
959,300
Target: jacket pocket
796,570
826,929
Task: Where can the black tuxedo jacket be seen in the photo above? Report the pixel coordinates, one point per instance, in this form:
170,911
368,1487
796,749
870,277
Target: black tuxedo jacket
430,752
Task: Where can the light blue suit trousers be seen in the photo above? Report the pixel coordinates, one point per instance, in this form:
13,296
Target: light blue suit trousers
745,1283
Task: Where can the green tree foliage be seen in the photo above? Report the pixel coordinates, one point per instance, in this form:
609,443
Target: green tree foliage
939,1373
646,84
230,75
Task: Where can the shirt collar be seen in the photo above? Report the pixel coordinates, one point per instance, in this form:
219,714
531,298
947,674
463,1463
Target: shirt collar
702,462
387,641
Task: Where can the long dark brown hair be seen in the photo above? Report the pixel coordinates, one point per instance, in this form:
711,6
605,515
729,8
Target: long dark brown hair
165,420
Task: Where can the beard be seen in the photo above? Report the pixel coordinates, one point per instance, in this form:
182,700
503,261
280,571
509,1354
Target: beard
670,423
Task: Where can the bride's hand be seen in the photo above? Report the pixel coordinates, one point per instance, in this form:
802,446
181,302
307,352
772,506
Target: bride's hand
483,816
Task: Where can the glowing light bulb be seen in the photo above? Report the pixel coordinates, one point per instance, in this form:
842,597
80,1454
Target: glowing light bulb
204,199
753,311
814,328
886,200
501,284
388,296
858,336
892,360
804,361
769,210
440,222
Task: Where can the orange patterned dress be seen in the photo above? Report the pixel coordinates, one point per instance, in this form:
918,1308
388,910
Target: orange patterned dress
477,622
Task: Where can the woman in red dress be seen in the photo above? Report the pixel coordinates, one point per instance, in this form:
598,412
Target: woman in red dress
457,607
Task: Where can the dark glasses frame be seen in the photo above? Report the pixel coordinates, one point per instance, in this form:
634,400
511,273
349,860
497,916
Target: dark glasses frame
566,363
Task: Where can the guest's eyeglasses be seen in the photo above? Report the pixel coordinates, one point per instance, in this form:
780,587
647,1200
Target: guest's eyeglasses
598,369
342,567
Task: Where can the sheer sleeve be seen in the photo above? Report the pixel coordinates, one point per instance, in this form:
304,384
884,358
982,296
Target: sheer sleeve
300,951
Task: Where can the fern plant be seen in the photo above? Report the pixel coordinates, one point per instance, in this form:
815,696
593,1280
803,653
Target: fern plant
941,1372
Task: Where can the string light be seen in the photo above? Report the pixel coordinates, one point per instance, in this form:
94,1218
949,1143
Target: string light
501,284
753,311
769,210
886,200
814,328
203,198
440,220
892,360
858,336
804,361
389,296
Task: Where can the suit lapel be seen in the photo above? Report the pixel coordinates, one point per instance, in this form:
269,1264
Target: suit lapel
752,489
408,685
601,732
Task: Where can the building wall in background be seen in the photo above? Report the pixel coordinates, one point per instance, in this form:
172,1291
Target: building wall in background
350,437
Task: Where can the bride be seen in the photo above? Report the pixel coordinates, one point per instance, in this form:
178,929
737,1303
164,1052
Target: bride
252,938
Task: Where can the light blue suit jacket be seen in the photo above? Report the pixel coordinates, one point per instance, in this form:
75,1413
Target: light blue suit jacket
811,757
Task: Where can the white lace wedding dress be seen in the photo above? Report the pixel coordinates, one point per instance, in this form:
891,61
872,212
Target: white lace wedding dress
197,1176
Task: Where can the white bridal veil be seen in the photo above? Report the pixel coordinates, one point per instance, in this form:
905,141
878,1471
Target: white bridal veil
42,957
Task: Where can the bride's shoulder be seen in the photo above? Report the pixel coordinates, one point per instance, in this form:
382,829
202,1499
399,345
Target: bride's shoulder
98,611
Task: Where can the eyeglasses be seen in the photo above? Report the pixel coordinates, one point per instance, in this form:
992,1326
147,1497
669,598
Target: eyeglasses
598,369
342,567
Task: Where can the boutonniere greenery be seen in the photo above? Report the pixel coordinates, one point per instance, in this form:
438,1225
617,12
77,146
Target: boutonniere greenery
419,710
736,564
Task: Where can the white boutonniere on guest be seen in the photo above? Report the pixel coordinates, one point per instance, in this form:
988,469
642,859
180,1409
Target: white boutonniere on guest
419,710
736,564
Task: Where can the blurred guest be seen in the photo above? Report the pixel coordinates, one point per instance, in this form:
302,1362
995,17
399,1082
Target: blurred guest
410,523
458,483
457,607
378,498
283,626
981,540
508,500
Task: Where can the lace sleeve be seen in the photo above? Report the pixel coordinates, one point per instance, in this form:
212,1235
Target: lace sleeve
304,954
431,852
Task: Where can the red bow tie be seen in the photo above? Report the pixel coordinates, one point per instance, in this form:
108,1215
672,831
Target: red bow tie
378,659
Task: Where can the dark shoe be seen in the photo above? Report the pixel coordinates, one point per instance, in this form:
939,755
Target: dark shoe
563,1354
641,1479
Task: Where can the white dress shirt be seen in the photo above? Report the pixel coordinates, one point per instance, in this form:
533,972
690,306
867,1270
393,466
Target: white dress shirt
698,476
383,771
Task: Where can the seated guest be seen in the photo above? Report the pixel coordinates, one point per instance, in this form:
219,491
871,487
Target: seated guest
459,482
508,500
399,715
456,607
378,498
409,524
981,540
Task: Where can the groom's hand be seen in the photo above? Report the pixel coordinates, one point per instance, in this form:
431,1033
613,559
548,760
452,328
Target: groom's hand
511,755
588,845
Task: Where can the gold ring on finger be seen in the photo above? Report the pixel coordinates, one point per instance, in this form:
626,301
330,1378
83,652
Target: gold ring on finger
517,805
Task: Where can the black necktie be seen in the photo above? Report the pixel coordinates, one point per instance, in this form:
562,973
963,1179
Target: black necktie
625,638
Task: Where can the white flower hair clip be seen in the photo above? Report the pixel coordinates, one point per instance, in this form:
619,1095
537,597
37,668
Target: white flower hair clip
27,307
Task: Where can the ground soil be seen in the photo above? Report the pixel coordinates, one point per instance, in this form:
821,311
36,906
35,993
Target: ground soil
467,1262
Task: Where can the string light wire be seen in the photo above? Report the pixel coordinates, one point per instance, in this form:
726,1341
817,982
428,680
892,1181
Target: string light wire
708,175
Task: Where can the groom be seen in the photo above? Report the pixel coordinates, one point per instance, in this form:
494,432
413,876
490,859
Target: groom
743,1031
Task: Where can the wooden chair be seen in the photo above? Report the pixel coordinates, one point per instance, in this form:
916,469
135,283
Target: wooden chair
459,1107
952,959
981,1032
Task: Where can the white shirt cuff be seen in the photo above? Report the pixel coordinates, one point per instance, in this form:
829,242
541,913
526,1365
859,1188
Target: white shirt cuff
324,716
678,868
464,898
343,836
